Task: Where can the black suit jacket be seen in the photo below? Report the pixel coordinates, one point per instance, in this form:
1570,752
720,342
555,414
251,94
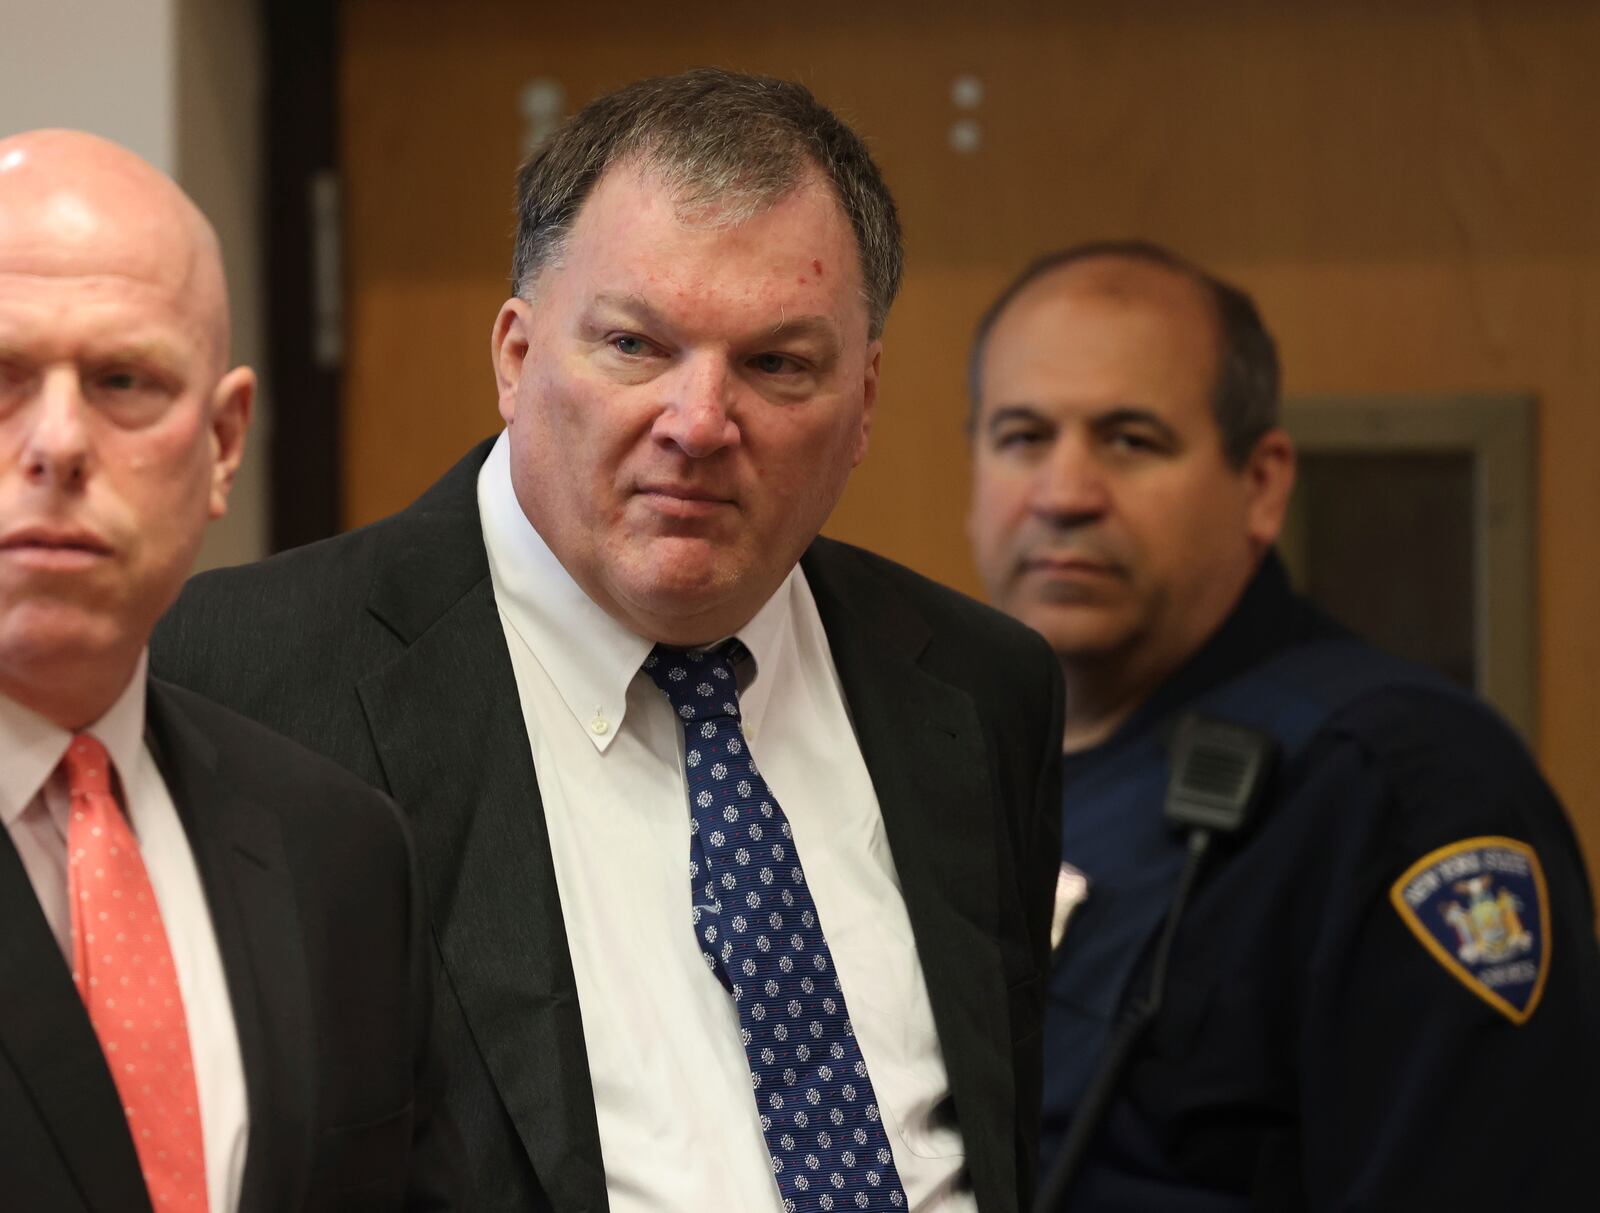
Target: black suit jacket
383,649
309,879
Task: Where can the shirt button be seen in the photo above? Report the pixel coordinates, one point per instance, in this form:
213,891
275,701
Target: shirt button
599,726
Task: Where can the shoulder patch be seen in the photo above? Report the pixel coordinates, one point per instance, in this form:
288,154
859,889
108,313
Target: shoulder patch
1479,906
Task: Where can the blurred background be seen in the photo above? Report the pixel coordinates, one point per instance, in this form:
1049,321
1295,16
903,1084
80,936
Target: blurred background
1409,188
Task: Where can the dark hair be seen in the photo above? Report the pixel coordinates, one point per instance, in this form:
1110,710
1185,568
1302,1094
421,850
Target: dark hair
1244,398
716,138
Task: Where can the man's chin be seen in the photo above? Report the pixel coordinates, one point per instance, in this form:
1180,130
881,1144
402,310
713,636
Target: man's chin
45,634
1079,631
691,595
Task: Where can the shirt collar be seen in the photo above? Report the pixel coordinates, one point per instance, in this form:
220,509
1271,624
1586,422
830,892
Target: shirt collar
766,636
33,746
589,656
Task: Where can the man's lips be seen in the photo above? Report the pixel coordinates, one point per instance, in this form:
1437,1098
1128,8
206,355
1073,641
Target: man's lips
681,501
51,547
1068,566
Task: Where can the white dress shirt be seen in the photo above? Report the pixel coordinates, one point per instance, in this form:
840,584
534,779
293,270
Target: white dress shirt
34,805
679,1127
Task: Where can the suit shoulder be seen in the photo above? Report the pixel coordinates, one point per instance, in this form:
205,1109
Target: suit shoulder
274,769
279,586
949,613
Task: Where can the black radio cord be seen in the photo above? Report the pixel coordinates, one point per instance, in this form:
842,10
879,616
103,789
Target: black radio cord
1136,1016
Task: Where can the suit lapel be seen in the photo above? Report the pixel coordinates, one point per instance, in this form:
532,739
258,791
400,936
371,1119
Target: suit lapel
446,722
238,849
924,748
46,1034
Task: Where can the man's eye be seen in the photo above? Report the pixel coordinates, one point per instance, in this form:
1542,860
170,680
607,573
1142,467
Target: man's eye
629,345
131,395
1131,440
1018,439
774,364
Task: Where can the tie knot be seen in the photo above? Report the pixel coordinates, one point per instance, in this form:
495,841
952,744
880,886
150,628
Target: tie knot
699,683
88,767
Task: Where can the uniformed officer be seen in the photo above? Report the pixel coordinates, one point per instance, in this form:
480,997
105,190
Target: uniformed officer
1384,991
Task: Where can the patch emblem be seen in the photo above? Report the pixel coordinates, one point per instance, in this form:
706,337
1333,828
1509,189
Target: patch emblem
1479,906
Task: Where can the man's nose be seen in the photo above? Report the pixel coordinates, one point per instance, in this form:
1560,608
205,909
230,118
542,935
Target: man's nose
1069,484
697,415
55,449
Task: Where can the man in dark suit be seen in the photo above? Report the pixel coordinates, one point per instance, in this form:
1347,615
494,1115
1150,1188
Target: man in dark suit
217,993
606,612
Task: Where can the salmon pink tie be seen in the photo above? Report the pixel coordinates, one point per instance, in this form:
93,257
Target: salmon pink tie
123,969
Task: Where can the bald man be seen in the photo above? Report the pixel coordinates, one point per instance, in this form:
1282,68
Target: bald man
215,995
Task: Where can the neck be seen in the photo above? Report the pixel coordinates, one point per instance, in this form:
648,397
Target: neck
1101,695
70,699
1105,688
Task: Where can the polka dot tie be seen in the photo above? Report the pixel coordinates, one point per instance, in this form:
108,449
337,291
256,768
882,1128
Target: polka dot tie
758,930
123,970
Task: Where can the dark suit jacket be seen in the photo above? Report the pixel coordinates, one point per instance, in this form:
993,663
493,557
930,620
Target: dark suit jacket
309,879
383,649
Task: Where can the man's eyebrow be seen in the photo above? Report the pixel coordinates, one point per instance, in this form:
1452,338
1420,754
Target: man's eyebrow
1012,414
1133,415
161,353
632,306
815,327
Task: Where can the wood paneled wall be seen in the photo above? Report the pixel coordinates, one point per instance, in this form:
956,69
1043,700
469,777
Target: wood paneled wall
1411,189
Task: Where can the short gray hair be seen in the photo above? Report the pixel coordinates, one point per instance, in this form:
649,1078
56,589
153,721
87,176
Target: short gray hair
716,139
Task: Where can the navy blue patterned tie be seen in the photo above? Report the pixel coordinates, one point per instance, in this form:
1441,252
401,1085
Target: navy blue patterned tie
758,930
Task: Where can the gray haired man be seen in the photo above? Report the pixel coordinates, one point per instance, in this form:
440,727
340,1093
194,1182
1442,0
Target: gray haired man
677,980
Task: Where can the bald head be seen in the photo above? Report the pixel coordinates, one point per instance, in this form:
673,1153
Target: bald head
71,201
121,427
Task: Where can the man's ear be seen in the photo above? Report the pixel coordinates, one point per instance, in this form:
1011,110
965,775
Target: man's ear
869,398
508,348
1269,479
232,402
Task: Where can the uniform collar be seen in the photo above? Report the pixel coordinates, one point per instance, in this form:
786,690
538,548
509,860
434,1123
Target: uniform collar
32,746
1267,618
590,657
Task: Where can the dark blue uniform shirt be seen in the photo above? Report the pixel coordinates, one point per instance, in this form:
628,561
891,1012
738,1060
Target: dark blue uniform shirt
1315,1050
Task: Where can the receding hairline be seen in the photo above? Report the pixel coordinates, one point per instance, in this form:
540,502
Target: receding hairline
728,208
720,135
1120,277
1110,273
